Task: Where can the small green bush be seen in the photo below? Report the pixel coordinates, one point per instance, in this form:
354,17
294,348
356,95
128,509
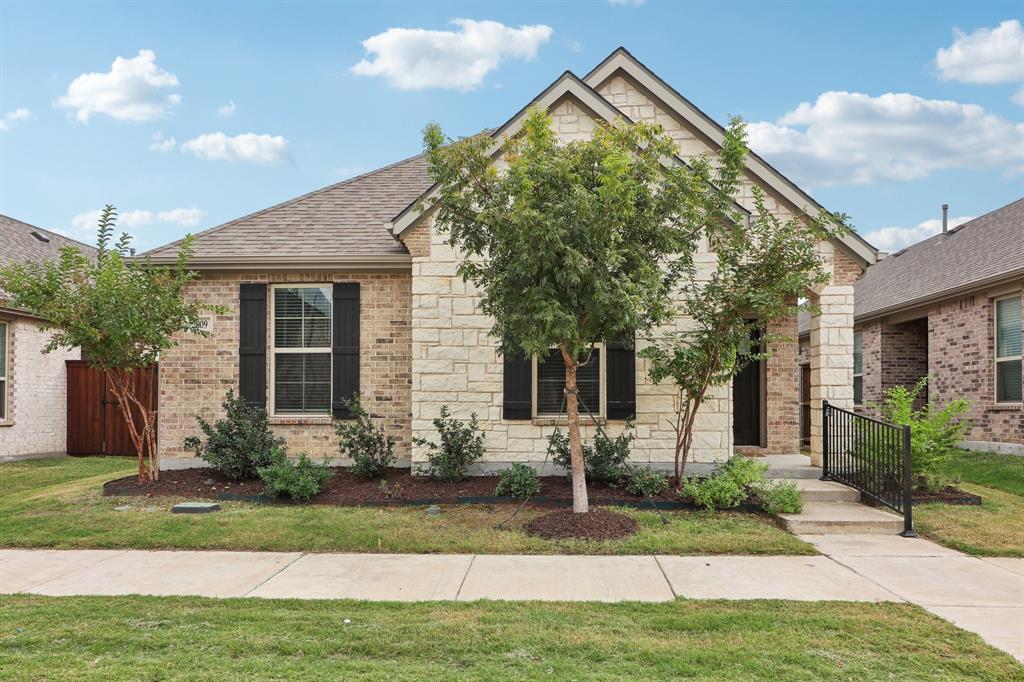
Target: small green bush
371,449
646,481
519,481
715,492
780,497
299,479
605,461
461,445
240,443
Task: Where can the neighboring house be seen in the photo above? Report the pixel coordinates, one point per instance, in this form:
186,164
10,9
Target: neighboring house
33,386
950,308
350,288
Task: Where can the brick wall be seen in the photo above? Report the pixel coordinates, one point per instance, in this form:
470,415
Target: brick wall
894,355
37,392
782,374
196,373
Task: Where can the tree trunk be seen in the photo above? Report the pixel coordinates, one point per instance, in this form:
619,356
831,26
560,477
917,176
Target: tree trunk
579,481
124,391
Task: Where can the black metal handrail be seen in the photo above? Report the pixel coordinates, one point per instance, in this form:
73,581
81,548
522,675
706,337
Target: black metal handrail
871,456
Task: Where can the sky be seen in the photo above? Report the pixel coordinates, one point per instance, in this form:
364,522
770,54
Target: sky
187,115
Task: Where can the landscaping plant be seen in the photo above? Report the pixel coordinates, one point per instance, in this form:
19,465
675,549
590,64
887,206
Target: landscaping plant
297,479
570,244
604,461
371,449
240,443
646,482
519,481
461,445
739,479
780,497
121,312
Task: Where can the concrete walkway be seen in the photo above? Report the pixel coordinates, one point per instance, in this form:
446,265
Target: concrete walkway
982,595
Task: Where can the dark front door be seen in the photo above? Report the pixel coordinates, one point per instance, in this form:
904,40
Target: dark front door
746,402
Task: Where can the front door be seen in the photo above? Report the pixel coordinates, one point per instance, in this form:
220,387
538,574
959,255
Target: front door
746,402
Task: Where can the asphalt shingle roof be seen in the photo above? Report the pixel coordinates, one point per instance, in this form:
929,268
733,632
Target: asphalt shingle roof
344,219
18,245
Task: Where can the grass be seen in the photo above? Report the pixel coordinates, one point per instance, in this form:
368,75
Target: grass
161,638
57,504
996,528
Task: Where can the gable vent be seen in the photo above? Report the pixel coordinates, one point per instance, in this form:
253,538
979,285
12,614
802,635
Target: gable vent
41,237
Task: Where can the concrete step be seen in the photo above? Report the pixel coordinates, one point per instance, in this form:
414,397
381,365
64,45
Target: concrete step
821,518
792,472
814,490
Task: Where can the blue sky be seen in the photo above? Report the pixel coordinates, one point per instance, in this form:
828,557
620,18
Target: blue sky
265,102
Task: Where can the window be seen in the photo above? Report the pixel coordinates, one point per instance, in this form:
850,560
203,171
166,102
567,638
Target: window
858,369
1008,350
302,349
549,384
3,371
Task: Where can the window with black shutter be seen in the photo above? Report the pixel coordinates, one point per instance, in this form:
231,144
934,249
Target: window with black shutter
551,384
252,344
301,349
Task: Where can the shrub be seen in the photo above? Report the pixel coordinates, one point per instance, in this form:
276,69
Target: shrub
647,482
461,445
240,443
715,492
519,481
371,449
605,461
299,479
934,432
780,497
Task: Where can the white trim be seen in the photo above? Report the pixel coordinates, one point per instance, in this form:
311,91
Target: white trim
861,373
997,359
397,262
5,399
602,381
315,350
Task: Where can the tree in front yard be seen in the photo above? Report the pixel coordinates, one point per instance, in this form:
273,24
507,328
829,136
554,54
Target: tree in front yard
568,244
120,312
762,267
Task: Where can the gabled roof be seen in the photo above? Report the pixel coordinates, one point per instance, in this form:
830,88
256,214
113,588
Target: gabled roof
979,252
621,60
342,224
24,243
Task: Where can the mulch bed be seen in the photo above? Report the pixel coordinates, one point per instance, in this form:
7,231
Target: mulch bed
597,524
948,495
346,489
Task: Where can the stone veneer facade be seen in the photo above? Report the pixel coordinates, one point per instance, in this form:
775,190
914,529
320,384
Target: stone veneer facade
36,420
195,374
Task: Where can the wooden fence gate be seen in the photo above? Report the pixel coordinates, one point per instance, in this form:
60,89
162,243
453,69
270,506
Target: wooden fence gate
96,425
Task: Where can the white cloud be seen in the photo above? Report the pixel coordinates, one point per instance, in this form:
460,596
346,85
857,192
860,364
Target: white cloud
989,55
8,119
246,147
627,3
895,238
228,110
184,217
86,221
850,137
133,90
161,143
418,59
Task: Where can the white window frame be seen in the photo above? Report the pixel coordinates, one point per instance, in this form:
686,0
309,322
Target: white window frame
861,373
274,350
997,360
602,356
5,397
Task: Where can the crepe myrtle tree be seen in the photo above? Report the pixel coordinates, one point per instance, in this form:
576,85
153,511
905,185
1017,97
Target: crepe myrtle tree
568,244
762,268
120,312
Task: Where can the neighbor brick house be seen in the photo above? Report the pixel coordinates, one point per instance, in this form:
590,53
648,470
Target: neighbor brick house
949,308
352,288
33,386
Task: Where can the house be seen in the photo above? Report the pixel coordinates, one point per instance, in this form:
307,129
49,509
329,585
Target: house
33,386
949,308
350,288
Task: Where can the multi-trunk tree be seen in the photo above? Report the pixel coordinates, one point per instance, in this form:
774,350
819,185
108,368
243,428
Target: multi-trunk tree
120,312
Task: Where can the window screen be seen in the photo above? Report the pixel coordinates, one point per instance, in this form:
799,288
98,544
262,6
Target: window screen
551,384
302,376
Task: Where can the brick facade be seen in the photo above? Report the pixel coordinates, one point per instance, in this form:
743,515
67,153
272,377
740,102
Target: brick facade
195,374
37,391
894,355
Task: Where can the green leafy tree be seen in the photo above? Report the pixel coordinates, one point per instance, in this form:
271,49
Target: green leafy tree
763,266
120,312
568,244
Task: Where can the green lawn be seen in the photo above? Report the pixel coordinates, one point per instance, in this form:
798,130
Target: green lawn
57,503
197,639
994,529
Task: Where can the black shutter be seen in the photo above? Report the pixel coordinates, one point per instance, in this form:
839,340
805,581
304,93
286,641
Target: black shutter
345,348
252,344
518,388
621,386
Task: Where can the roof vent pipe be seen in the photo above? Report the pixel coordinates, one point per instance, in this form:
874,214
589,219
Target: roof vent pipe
945,218
131,252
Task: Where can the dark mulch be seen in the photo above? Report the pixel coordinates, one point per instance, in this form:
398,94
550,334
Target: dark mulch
597,524
347,489
948,495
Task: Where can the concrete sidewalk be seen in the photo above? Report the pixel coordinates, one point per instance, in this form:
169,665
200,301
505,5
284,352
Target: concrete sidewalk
981,595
